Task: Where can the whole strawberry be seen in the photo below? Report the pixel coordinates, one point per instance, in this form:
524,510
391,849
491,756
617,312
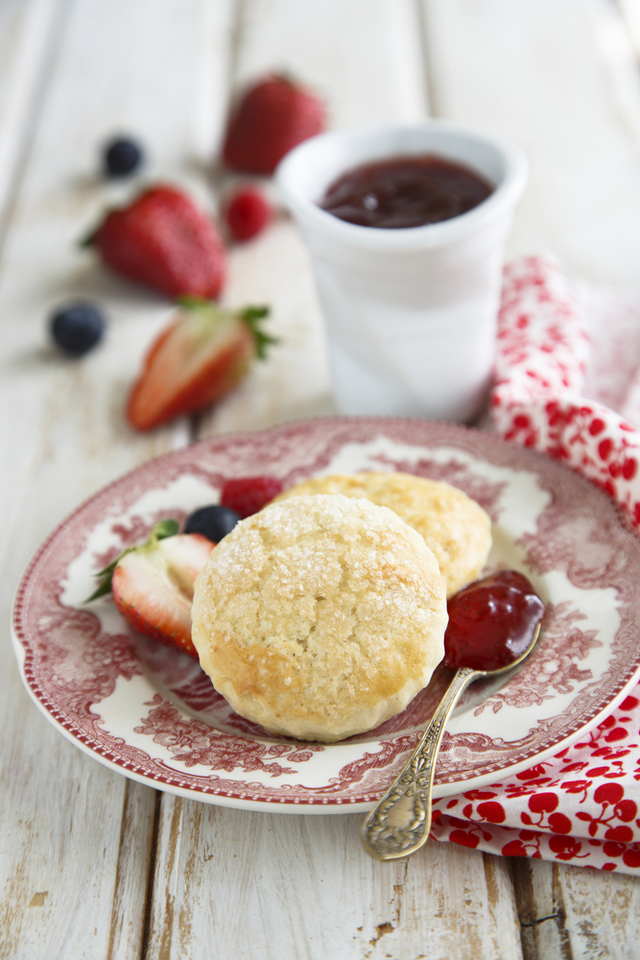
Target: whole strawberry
163,240
271,117
202,354
152,584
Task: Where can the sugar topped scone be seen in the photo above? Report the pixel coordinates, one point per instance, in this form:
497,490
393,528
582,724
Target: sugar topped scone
453,525
320,617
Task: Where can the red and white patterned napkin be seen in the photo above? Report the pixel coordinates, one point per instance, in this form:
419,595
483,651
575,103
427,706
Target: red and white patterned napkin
567,382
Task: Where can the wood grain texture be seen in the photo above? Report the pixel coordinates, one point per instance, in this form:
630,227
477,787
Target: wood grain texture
556,79
27,31
363,56
278,886
569,912
77,838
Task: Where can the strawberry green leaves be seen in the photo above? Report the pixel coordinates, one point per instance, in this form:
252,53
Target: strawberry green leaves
162,529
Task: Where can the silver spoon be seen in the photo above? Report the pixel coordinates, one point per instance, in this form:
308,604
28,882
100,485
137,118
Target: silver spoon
400,822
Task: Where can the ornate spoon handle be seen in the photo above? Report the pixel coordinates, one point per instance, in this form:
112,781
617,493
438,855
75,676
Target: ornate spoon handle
399,825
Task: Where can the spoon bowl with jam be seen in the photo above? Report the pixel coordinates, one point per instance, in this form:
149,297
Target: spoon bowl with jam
494,625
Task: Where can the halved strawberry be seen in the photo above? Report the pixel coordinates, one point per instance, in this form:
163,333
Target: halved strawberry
152,584
202,354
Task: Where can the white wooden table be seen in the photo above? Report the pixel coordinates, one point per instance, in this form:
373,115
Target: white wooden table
97,866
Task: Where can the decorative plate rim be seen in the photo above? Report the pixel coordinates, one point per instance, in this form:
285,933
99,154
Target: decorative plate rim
317,441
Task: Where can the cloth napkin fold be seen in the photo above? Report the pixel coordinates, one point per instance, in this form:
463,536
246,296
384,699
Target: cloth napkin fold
567,382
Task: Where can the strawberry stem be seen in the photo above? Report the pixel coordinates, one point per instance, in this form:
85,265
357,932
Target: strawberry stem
162,530
252,317
88,240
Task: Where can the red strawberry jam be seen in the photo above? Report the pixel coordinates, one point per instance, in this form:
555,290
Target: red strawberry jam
406,191
492,622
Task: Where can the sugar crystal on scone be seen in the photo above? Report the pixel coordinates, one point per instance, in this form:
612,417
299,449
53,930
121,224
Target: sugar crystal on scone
320,617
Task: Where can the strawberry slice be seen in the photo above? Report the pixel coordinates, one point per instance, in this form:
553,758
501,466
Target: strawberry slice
152,584
203,353
164,240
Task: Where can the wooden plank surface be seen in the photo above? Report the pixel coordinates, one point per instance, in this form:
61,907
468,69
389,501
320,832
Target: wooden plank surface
271,886
96,866
27,31
77,838
561,81
568,911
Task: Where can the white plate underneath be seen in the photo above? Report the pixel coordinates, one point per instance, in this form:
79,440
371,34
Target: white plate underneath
152,715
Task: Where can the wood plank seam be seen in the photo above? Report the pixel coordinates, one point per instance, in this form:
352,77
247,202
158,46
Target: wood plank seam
36,102
559,909
427,60
530,923
150,891
237,30
118,877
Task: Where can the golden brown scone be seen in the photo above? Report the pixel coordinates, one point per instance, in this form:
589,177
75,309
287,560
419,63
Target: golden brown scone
453,525
320,617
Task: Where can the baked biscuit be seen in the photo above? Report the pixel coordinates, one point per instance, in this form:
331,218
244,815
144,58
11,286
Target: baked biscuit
320,617
453,525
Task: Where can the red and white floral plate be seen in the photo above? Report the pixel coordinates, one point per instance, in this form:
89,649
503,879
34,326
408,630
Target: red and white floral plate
151,714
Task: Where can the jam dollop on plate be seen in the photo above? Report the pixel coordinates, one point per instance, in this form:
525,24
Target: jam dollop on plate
492,622
405,191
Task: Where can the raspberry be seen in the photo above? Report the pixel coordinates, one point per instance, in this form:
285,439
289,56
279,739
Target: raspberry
247,212
247,495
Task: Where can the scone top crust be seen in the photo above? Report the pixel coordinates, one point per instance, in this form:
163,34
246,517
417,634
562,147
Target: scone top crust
320,617
453,525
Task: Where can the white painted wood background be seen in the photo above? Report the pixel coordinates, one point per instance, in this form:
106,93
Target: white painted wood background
96,866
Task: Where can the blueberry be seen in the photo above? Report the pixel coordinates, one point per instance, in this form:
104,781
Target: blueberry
77,327
121,157
213,522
